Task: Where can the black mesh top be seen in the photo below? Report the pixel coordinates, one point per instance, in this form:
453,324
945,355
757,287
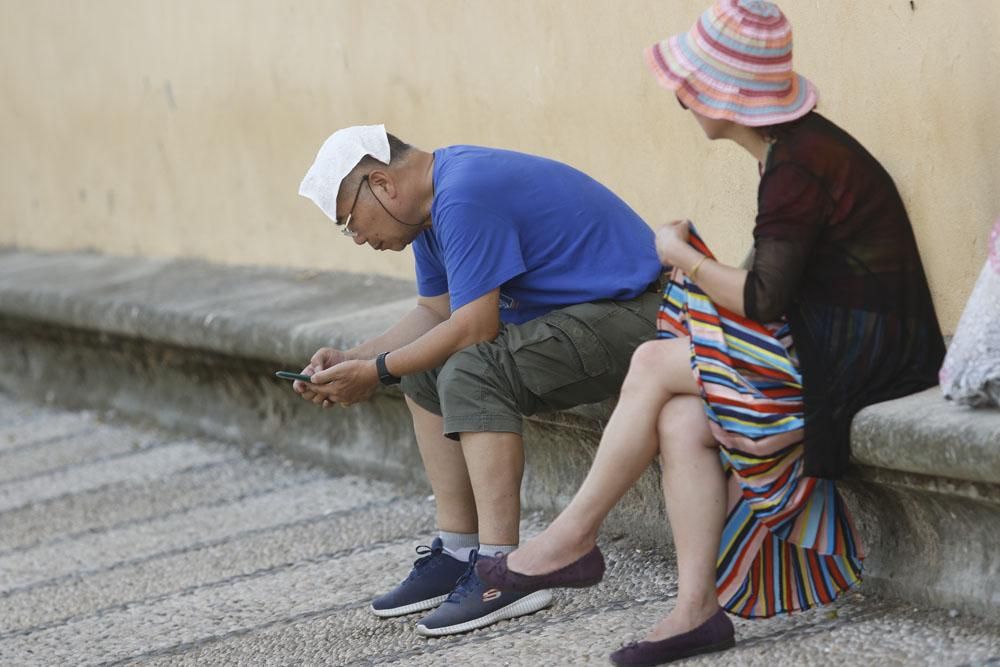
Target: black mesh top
834,251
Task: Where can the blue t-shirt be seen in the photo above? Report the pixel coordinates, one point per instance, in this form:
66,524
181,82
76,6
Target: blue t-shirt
546,234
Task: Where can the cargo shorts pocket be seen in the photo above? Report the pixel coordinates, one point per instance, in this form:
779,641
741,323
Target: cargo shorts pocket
557,351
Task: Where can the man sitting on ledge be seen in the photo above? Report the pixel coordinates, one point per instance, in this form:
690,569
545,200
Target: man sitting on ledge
536,283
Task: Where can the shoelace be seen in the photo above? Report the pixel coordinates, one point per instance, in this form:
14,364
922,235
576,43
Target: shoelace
427,554
465,582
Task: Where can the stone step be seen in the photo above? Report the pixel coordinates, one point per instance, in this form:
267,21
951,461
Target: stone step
78,444
105,550
24,430
145,464
74,514
252,553
270,563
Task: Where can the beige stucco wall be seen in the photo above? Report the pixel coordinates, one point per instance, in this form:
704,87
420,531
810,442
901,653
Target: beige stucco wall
183,127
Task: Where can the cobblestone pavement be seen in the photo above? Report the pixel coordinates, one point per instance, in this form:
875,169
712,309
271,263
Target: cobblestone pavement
122,544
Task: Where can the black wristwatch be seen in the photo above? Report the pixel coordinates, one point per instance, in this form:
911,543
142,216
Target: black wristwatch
384,376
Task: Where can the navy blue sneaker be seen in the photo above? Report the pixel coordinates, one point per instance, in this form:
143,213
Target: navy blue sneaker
473,605
432,578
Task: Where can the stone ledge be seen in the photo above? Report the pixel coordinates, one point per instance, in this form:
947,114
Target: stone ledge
928,435
254,313
193,345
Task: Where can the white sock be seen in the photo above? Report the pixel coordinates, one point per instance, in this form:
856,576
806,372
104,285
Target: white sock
460,554
459,545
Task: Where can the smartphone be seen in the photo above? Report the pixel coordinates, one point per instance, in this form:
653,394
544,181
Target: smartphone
288,375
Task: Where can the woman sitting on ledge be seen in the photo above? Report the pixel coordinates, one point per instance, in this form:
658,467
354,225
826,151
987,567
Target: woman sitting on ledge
749,395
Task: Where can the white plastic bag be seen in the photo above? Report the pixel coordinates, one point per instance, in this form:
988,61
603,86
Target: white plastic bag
971,371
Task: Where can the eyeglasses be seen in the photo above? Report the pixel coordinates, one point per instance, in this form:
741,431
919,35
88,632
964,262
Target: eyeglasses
347,231
346,222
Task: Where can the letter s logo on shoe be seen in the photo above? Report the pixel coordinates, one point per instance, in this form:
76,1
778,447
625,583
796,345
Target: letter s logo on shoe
491,594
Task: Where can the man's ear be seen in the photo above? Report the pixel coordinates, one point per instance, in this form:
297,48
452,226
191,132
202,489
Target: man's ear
382,180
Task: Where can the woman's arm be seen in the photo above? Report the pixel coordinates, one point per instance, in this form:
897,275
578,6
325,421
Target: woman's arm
723,284
793,207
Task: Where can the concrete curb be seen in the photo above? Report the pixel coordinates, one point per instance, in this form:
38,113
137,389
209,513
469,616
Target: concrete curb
193,346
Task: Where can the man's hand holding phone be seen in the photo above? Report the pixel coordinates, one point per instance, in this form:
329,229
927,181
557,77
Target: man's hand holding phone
346,383
324,358
332,378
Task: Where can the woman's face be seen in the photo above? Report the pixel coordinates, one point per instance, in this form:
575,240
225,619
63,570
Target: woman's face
714,128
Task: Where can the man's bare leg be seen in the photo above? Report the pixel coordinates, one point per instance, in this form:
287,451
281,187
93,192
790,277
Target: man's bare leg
444,463
496,464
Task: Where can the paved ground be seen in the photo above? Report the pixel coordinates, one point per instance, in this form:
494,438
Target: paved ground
123,544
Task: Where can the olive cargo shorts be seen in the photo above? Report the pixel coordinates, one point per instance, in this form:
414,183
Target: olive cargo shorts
571,356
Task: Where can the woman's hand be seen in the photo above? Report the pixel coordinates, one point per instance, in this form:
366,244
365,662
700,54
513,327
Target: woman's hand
671,240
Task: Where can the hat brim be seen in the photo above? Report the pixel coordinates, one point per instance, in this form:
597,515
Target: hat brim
677,67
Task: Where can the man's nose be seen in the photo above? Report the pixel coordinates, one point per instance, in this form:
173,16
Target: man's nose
360,240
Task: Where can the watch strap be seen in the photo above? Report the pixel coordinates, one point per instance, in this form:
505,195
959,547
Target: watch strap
384,376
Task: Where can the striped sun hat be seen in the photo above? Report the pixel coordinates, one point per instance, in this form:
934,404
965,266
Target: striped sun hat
735,64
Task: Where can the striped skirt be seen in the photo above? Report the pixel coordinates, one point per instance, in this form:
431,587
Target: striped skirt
789,542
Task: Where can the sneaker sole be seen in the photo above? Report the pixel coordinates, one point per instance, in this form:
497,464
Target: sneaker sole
527,605
423,605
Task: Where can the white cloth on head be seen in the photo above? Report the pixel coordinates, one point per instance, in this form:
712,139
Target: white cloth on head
341,153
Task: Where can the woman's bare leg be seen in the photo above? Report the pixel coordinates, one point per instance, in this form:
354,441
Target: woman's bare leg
694,488
658,370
